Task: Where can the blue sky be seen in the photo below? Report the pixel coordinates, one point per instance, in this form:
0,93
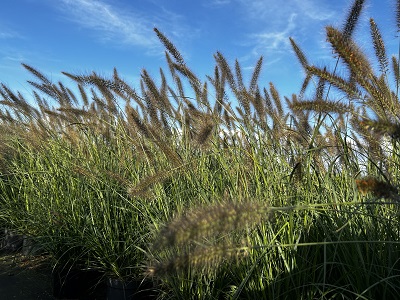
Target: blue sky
79,36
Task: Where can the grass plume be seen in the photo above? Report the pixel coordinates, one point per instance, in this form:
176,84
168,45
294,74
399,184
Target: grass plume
215,219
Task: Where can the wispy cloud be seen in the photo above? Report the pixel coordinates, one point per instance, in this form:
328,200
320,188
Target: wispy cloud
276,40
274,11
314,10
14,58
217,2
7,33
128,25
273,23
110,22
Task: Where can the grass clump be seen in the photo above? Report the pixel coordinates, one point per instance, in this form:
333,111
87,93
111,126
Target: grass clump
276,198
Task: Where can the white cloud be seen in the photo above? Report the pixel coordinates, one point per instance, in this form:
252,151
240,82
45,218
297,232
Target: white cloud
218,2
127,25
276,12
113,23
274,42
17,58
314,9
7,33
272,23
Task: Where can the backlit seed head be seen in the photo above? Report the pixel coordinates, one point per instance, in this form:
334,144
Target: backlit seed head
375,187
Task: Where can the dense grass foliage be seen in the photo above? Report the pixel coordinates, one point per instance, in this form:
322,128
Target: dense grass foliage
275,198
